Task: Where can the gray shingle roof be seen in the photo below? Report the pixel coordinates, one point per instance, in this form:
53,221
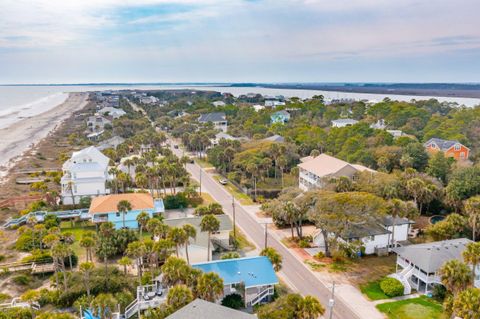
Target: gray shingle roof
388,221
212,117
201,309
202,237
361,231
275,138
431,256
442,144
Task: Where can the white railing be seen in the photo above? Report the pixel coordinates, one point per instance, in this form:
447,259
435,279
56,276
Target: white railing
259,297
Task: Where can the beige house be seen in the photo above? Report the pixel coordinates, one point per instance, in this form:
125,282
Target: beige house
198,247
313,171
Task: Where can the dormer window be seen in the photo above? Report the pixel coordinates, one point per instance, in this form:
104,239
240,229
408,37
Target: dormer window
434,145
457,147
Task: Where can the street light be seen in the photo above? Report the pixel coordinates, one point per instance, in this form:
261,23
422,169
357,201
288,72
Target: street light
234,227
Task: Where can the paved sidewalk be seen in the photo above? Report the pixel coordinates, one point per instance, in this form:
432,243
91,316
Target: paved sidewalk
405,297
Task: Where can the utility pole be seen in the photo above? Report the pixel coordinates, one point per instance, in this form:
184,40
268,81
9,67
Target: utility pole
234,226
331,302
266,234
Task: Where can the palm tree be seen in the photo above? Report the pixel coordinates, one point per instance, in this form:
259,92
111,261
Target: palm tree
274,257
88,242
142,220
282,163
114,173
106,246
467,304
472,208
455,276
70,187
210,224
179,296
191,233
123,207
125,262
175,271
178,236
471,255
400,209
141,180
86,269
60,251
252,169
310,308
136,250
209,287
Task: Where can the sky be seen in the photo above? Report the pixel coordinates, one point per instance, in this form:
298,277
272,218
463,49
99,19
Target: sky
93,41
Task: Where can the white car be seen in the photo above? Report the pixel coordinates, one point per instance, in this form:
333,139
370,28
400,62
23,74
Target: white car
223,181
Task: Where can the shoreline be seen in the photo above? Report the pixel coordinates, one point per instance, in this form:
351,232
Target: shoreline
22,136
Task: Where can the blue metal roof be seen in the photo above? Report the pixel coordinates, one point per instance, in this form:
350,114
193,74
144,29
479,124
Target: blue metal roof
252,271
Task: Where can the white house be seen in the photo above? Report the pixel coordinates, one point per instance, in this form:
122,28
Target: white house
198,247
84,175
221,135
258,107
219,120
274,103
148,99
112,111
418,265
314,171
396,133
97,123
218,103
379,125
376,238
343,122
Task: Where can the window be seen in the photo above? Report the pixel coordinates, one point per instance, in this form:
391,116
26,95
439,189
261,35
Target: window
462,154
457,147
118,214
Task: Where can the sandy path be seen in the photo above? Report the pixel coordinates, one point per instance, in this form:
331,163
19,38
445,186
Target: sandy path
19,137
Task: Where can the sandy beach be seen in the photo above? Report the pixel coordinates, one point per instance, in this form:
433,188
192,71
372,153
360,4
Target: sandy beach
24,134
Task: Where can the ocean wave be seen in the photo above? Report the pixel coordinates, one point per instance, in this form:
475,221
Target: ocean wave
14,114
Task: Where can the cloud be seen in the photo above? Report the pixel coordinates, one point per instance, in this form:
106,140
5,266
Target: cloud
235,35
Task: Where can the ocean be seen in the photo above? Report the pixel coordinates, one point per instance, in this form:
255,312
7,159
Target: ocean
17,102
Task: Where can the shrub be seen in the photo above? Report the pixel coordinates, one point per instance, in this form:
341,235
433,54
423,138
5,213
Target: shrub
304,244
233,301
2,257
175,201
319,255
38,255
51,221
4,297
339,256
21,280
230,255
391,287
439,292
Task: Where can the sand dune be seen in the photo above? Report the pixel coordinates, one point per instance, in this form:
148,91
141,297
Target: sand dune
21,136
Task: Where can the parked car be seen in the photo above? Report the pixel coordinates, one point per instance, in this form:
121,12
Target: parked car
223,181
175,146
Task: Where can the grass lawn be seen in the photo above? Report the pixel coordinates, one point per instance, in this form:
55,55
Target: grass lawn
276,183
242,241
416,308
78,229
244,199
371,268
373,291
203,163
207,198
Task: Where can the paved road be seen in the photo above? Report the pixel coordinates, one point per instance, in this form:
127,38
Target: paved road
293,269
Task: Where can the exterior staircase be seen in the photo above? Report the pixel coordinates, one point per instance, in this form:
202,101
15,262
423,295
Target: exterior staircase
404,277
260,296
